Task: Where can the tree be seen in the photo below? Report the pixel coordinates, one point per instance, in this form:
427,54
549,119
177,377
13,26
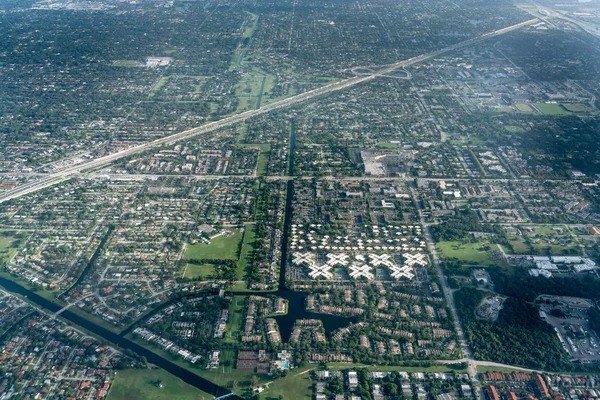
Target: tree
391,389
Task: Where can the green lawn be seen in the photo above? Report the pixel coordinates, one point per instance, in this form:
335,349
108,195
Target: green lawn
224,247
522,107
161,82
296,385
125,63
578,108
6,250
514,129
519,247
246,253
234,325
222,376
247,91
5,242
141,384
198,271
467,252
503,109
552,109
387,146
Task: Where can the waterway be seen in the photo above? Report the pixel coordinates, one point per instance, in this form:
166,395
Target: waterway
260,94
297,300
182,373
243,53
296,305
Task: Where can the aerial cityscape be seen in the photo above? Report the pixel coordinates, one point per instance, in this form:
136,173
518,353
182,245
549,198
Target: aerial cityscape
300,199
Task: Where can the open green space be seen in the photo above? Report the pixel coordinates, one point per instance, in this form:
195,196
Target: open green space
125,63
227,374
224,247
545,240
145,384
522,107
387,146
552,109
470,253
224,376
5,242
161,82
578,108
501,109
7,248
193,271
234,324
518,247
249,25
246,253
296,385
247,91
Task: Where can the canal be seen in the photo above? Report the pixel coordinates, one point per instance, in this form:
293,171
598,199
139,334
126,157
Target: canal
182,373
296,305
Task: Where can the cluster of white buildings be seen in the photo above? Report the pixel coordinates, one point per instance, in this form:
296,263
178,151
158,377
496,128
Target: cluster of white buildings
361,266
544,266
166,344
393,238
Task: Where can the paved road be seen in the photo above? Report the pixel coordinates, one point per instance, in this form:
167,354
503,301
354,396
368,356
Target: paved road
478,363
67,173
464,345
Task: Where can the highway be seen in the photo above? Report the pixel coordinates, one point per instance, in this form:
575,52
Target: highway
67,173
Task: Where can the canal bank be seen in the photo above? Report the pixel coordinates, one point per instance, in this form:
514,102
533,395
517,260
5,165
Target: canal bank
297,300
182,373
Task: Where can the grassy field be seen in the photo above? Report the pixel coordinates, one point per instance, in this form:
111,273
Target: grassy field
5,242
526,108
141,384
6,250
467,252
247,91
545,240
296,385
514,129
519,247
161,82
387,146
125,63
234,325
246,252
224,247
551,109
578,108
501,109
198,271
222,376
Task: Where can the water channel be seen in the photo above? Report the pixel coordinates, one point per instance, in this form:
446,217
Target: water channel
296,306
